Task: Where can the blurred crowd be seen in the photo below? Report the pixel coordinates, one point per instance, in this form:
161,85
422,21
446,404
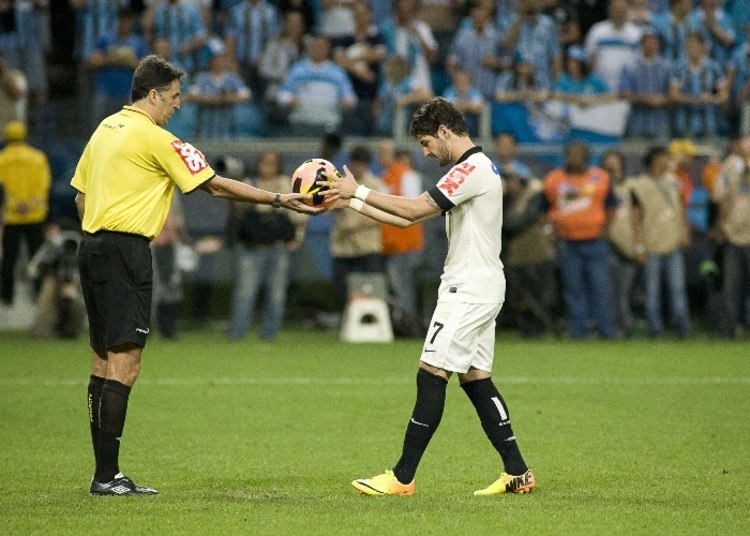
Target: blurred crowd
603,244
303,67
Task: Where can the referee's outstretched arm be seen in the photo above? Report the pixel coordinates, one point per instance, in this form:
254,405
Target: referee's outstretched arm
218,186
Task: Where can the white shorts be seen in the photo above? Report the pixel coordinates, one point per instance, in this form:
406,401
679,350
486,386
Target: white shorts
461,336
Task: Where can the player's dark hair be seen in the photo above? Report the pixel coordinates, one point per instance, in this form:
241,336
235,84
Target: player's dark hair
153,72
431,115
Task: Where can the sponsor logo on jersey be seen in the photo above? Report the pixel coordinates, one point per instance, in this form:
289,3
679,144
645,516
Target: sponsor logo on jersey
455,178
192,157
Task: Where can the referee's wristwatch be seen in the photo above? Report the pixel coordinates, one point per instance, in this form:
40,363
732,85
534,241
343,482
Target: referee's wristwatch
276,203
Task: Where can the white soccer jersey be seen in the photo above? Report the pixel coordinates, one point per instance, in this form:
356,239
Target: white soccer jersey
471,194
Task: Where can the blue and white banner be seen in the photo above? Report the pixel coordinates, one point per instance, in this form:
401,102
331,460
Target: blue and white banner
559,122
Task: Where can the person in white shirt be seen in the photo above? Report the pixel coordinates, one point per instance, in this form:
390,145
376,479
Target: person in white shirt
461,334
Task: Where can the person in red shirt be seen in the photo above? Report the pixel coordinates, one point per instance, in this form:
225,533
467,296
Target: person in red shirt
578,201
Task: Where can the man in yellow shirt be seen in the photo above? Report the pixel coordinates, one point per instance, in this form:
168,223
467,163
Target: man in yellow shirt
125,180
25,180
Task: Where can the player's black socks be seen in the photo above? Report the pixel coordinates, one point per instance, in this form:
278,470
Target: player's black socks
94,399
495,419
113,407
428,410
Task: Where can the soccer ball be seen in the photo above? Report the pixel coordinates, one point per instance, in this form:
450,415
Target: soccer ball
310,171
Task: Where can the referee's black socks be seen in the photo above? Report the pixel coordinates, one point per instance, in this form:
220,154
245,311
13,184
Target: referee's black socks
495,419
96,383
428,411
112,410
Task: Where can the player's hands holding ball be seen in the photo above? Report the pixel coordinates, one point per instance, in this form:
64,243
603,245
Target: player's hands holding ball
341,188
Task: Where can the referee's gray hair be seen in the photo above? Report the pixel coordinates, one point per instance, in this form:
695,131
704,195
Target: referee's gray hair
153,72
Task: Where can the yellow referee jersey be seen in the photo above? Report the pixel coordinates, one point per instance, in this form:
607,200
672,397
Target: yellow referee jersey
25,176
128,172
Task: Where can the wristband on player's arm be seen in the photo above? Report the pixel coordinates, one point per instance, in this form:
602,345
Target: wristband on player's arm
362,192
356,204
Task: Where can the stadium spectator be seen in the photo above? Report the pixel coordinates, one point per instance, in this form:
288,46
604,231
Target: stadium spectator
641,14
113,60
533,36
733,197
412,39
590,12
25,179
565,17
307,8
263,239
361,53
316,93
356,243
663,231
627,252
397,95
22,43
14,96
336,18
673,27
250,27
93,19
519,84
218,94
698,88
281,52
612,43
470,195
529,254
181,23
476,48
645,84
738,82
579,201
444,18
507,163
168,269
124,180
402,248
467,98
713,23
577,85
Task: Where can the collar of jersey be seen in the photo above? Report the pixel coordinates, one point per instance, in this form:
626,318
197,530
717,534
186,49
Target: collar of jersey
139,111
467,154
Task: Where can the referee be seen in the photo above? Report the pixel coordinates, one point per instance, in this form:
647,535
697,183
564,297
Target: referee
125,180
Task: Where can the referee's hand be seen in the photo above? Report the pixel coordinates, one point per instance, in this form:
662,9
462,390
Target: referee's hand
300,203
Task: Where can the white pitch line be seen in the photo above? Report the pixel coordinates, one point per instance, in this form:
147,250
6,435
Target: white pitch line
309,380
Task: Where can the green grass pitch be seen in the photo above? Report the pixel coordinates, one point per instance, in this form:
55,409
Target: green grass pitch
636,437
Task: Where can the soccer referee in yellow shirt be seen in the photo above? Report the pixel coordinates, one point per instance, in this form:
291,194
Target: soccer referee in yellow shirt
125,181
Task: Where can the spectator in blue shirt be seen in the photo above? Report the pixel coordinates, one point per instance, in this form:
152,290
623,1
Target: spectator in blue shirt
218,93
698,87
713,23
113,60
476,48
534,36
645,84
673,27
577,85
181,23
250,27
467,98
397,93
317,92
361,53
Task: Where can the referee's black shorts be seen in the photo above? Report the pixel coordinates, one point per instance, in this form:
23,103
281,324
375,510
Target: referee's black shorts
117,279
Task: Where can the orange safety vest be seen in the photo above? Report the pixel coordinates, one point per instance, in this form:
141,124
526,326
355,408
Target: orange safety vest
395,239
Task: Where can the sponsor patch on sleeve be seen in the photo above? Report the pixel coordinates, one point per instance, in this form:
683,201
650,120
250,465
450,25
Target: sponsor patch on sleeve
455,178
192,157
